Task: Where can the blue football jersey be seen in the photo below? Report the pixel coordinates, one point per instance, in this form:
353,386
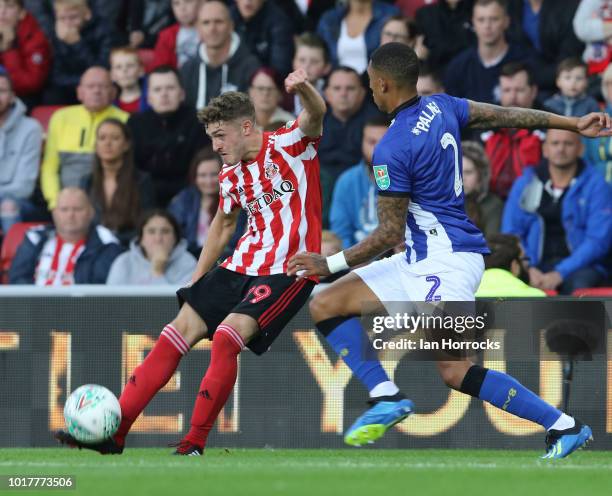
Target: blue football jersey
420,157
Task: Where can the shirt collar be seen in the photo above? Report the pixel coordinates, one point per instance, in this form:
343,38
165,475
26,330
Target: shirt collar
413,101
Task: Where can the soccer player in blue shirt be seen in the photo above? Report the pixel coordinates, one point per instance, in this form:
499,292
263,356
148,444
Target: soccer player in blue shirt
417,167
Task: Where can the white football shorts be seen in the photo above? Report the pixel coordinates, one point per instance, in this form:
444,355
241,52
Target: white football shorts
451,276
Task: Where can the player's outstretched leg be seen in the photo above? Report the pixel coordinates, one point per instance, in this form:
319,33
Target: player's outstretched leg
334,310
217,384
148,378
565,434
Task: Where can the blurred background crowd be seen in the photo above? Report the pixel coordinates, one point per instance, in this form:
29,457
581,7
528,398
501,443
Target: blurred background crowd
101,148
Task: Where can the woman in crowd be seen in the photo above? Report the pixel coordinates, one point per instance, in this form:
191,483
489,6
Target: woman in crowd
266,92
195,206
400,29
157,256
118,191
352,31
484,208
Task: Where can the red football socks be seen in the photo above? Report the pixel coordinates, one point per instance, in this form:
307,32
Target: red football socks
149,377
217,383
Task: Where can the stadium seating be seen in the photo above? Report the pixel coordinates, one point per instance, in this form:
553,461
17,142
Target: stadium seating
594,292
43,114
146,57
11,242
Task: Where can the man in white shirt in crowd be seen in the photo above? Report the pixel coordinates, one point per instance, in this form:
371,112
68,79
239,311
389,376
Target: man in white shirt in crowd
72,251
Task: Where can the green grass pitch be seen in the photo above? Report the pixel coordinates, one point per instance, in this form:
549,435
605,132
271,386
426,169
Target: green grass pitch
353,472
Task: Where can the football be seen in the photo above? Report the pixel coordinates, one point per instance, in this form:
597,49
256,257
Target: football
92,413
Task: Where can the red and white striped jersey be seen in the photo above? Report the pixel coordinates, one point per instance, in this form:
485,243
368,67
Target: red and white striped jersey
281,193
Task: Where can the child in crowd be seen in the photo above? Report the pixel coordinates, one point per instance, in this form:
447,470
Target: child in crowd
179,42
311,54
127,72
24,50
572,100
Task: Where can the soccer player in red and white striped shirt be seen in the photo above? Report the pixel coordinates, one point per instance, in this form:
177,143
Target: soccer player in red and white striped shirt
248,299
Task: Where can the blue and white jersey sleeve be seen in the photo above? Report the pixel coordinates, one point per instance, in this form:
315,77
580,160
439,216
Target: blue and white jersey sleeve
460,107
392,170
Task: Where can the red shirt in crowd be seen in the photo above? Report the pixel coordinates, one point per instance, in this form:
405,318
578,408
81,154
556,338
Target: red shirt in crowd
28,61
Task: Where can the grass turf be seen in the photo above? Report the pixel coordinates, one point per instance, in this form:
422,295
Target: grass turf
255,472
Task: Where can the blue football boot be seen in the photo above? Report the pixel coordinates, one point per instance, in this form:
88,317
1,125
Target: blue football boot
559,444
372,425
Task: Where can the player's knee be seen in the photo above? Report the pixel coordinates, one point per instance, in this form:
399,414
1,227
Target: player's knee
189,324
322,307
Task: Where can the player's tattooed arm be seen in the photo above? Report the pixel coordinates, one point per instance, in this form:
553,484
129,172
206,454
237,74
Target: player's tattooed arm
487,116
484,116
392,212
389,233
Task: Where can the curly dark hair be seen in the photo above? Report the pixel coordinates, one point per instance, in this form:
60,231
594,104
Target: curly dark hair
227,107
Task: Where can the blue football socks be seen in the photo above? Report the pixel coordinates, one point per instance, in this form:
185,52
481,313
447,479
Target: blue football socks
507,393
347,337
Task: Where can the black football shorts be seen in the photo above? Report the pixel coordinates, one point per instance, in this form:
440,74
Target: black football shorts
271,300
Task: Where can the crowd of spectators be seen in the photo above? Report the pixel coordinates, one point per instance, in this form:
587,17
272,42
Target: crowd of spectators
128,78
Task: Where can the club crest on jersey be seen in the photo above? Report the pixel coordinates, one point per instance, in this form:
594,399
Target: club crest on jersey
270,170
382,176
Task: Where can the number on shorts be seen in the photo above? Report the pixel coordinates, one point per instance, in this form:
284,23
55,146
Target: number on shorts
449,139
259,293
432,296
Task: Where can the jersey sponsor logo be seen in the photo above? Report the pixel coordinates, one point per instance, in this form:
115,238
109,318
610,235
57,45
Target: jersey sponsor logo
425,118
382,176
268,199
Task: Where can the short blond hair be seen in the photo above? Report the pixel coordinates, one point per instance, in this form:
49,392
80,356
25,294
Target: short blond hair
125,50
